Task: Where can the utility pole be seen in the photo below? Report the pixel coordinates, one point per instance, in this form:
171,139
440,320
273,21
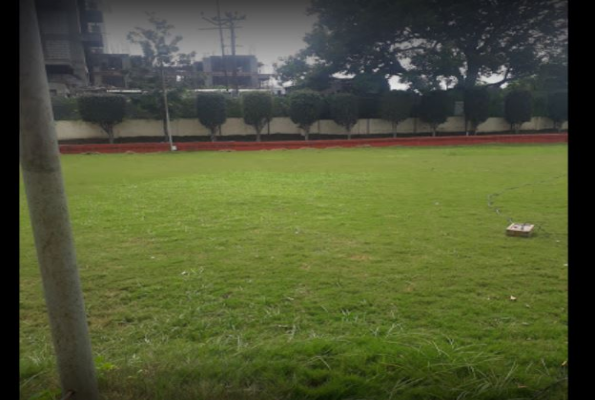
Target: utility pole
229,22
44,187
219,23
166,107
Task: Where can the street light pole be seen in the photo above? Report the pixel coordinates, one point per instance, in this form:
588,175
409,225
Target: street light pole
166,107
44,187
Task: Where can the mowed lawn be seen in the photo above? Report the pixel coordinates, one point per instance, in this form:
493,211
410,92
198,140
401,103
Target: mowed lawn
366,273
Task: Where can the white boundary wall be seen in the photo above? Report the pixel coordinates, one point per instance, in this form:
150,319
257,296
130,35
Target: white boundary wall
68,130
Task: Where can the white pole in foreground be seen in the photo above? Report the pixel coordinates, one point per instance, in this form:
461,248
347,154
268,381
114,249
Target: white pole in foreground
42,175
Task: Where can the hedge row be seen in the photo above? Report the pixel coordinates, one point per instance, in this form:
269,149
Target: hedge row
516,106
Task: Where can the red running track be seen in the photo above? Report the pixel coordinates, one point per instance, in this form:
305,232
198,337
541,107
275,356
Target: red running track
317,144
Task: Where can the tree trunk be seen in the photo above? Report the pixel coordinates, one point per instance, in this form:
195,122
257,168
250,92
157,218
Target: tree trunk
466,126
394,130
258,136
110,135
472,73
213,135
110,132
433,131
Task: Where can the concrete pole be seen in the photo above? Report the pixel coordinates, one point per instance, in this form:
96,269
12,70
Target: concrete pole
42,175
166,107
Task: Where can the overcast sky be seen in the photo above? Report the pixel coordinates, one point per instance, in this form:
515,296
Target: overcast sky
272,29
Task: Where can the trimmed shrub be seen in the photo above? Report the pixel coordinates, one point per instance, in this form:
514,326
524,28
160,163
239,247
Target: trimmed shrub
396,106
211,111
257,108
104,110
476,103
305,107
518,108
344,111
65,109
557,108
435,108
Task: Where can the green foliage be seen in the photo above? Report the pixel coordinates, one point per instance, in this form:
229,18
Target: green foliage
305,107
396,106
186,107
65,108
211,111
496,108
234,107
103,110
157,48
429,42
257,108
344,110
369,106
540,102
557,108
435,108
280,106
150,105
518,108
297,71
369,84
477,105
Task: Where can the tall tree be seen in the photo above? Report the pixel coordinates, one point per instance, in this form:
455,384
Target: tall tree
433,42
159,52
297,71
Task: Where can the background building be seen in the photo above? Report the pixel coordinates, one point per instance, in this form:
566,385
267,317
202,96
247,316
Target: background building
71,32
216,68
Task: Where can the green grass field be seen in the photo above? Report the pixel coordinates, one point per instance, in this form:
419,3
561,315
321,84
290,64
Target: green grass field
367,273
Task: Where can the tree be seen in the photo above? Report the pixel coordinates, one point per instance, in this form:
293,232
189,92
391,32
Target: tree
344,111
476,103
435,107
211,111
151,103
369,84
299,73
103,110
395,107
434,42
557,108
305,107
257,108
518,108
159,52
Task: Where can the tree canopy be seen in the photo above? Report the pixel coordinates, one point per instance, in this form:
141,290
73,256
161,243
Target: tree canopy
429,42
